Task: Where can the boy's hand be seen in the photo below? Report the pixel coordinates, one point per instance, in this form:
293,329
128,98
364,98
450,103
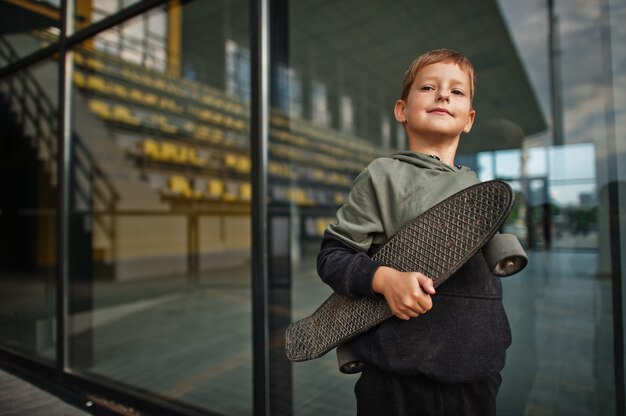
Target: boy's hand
407,293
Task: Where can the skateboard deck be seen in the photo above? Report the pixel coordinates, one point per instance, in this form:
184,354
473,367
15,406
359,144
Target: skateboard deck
436,243
504,256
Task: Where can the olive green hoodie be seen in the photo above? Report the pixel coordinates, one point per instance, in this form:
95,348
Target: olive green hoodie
393,190
465,335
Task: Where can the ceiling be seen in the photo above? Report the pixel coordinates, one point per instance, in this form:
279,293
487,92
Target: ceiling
371,43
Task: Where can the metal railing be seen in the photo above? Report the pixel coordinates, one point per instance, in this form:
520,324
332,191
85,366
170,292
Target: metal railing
38,118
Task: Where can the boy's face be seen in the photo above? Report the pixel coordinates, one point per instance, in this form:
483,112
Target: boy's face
438,104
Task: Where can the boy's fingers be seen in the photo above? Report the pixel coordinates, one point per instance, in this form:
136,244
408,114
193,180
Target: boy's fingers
406,315
401,315
416,307
425,303
426,283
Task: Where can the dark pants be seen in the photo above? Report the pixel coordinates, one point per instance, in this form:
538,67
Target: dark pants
379,393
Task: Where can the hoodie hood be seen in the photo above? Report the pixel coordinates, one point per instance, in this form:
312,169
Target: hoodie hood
393,190
422,160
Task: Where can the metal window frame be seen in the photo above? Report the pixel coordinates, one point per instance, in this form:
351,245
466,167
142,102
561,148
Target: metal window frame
617,274
259,134
64,144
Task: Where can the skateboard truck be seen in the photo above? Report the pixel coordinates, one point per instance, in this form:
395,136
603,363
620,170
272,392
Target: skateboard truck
436,243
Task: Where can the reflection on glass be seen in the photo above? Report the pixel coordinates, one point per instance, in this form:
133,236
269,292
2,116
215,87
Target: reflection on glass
90,11
342,73
560,199
26,26
161,210
142,41
28,150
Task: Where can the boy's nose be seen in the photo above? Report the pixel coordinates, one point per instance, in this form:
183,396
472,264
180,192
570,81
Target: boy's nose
443,95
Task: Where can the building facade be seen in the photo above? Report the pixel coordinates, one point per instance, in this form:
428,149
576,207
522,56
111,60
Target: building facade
169,167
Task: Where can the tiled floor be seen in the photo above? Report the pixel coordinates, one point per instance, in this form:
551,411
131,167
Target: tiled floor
19,398
195,346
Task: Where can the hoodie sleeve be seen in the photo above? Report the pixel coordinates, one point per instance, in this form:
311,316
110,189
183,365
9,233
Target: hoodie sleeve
359,219
345,269
343,262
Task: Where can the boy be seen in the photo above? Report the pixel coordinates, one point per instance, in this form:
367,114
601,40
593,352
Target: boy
444,353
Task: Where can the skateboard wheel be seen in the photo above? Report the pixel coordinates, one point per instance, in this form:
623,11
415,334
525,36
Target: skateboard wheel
348,362
504,255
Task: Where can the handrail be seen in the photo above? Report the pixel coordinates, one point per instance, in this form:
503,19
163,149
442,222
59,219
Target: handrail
38,114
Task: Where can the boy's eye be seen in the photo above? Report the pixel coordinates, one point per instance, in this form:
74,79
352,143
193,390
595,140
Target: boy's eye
427,88
458,92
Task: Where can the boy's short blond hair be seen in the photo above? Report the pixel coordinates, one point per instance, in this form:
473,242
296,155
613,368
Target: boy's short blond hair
433,57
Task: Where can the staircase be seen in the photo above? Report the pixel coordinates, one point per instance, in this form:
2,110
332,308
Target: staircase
29,105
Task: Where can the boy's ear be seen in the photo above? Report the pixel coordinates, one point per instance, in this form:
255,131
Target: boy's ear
470,121
398,111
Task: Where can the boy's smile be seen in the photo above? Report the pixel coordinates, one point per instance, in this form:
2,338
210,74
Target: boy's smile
438,105
440,110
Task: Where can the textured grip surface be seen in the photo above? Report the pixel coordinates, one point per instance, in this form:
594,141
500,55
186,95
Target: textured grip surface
436,243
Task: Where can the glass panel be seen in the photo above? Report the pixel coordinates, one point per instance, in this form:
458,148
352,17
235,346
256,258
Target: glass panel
161,208
570,222
541,125
28,151
90,11
26,26
143,40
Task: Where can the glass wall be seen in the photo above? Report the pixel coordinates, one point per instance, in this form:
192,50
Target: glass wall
91,11
26,26
160,209
160,195
28,222
541,125
29,25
